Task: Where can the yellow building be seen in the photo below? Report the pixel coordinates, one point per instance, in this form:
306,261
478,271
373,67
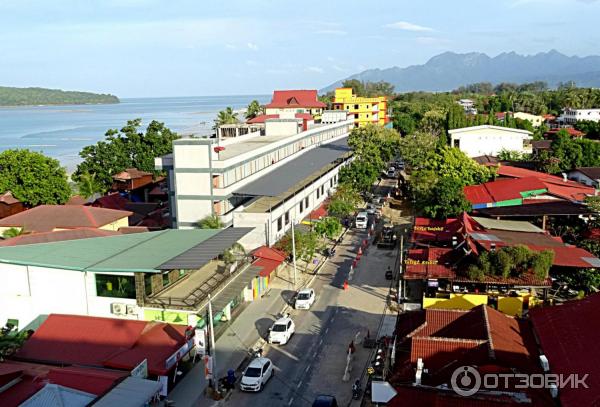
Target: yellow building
365,110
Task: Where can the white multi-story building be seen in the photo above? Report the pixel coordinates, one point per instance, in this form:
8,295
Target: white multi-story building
572,116
214,176
468,105
490,140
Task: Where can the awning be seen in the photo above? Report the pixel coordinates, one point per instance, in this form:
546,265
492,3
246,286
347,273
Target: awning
382,392
233,289
281,179
131,392
205,251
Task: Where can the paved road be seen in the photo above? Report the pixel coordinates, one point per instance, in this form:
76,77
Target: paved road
313,361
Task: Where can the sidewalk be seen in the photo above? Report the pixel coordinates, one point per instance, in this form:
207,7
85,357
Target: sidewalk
242,334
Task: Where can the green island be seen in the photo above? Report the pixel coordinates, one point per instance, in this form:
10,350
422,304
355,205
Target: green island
41,96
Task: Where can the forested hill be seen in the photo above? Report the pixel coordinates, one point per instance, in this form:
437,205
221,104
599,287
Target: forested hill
42,96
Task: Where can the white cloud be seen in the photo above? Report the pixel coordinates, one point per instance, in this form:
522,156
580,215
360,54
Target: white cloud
330,59
230,46
274,71
338,68
314,69
331,32
251,62
406,26
253,46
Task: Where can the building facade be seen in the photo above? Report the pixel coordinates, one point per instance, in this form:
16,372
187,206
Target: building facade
490,140
535,120
295,101
205,174
572,116
363,110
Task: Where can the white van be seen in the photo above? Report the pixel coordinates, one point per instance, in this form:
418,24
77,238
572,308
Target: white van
362,219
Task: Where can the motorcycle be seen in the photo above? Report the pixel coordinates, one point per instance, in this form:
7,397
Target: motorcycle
356,390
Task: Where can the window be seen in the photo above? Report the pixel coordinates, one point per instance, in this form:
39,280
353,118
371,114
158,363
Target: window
287,217
456,143
115,286
301,206
322,189
279,224
318,193
306,202
355,107
331,182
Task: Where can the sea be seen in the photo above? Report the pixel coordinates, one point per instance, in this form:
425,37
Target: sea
62,131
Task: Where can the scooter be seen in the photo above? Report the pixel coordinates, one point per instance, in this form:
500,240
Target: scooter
356,390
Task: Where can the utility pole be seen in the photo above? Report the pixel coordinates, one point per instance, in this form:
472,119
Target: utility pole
212,346
400,269
294,252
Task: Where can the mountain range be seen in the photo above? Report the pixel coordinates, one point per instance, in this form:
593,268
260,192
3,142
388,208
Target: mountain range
449,70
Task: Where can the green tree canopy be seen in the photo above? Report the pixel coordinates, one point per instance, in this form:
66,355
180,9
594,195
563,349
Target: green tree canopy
328,226
211,222
344,201
33,178
227,116
254,109
444,200
369,89
127,148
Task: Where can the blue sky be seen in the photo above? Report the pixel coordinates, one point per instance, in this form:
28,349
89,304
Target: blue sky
183,48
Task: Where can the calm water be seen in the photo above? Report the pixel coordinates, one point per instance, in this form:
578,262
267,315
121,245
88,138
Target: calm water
62,131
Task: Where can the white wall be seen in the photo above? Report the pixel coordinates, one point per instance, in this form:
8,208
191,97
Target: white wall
30,291
283,127
490,141
584,179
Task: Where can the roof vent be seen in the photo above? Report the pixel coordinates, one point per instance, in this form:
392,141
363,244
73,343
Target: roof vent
564,174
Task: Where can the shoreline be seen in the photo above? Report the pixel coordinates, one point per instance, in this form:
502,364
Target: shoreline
59,104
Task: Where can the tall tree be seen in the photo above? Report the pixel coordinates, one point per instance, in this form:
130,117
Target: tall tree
211,222
33,178
227,116
88,185
254,109
127,148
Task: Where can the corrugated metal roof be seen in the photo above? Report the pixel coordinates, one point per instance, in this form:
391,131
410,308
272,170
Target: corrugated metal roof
52,395
138,252
514,225
131,392
281,179
203,252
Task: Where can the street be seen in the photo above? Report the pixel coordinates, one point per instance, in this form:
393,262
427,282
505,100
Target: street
314,360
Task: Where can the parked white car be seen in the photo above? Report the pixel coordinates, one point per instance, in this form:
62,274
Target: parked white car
257,374
362,219
282,330
305,298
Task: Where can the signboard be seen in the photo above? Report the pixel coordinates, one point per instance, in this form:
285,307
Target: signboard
208,367
141,370
200,341
432,283
181,352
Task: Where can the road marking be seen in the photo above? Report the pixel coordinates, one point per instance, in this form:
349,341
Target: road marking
299,384
315,355
333,318
321,342
291,401
307,369
326,330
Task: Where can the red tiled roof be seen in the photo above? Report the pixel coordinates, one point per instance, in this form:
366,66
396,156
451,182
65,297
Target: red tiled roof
111,201
57,236
269,253
45,218
130,173
267,265
33,377
319,212
569,337
415,396
572,132
295,98
502,190
429,262
108,342
435,351
569,190
8,198
428,230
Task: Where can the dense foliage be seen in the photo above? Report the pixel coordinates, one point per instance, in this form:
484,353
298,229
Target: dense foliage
227,116
373,147
369,89
127,148
254,109
509,262
41,96
567,153
329,226
344,201
33,178
307,244
210,222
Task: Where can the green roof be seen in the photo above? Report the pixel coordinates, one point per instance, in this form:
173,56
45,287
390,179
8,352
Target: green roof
136,252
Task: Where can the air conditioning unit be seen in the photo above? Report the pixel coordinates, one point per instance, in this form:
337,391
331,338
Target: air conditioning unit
132,309
118,308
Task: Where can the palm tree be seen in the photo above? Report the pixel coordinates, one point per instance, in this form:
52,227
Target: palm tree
227,116
13,232
88,185
253,110
211,222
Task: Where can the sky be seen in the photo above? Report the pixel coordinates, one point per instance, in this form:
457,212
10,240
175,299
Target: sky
154,48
